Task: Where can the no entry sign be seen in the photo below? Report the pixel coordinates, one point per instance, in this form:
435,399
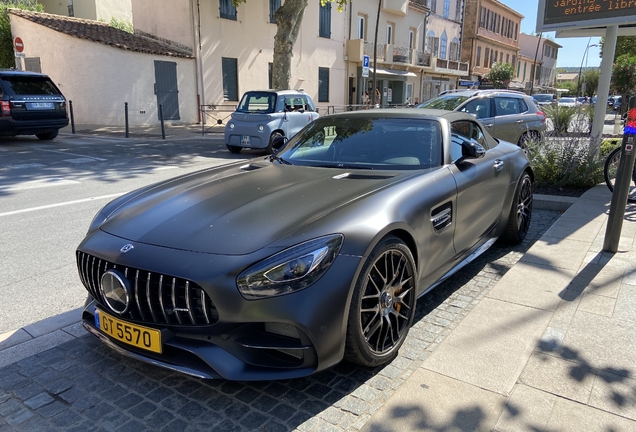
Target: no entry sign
18,44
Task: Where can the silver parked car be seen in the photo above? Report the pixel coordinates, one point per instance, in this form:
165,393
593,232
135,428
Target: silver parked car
508,115
263,115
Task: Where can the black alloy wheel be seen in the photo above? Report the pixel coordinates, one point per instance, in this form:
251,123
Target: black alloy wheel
520,212
270,148
383,304
47,136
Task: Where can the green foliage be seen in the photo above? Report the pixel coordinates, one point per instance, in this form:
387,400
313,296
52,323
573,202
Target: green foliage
122,25
7,58
566,162
609,144
570,86
625,45
590,78
501,74
560,116
339,3
624,74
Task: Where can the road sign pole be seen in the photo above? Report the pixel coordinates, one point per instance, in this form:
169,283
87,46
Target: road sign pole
622,183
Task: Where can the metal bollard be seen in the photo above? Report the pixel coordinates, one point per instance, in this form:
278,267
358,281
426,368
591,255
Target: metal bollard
126,117
617,125
70,108
163,130
622,184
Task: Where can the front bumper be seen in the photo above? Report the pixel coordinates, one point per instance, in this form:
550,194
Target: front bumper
276,338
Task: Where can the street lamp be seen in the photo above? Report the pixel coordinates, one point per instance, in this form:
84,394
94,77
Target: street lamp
578,84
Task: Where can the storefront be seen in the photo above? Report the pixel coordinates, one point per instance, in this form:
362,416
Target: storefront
395,87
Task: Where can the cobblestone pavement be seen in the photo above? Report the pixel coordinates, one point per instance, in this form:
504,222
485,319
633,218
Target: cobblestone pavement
83,385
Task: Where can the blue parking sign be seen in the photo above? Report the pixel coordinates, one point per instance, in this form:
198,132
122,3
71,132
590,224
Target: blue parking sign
365,61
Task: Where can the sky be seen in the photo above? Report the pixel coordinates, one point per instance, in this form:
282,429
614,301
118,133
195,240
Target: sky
573,48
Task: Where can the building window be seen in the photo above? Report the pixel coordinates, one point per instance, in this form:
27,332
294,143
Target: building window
518,66
507,58
270,68
482,19
458,10
411,39
227,9
433,6
501,57
230,79
362,27
446,8
389,34
325,20
493,57
516,30
478,58
432,43
454,50
442,46
323,84
273,7
486,57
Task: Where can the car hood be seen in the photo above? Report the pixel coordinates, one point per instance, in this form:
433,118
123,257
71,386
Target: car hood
238,210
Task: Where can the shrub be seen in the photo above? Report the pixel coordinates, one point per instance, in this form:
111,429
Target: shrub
560,116
567,162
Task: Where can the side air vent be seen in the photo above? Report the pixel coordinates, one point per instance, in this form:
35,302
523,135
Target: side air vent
442,216
350,176
249,167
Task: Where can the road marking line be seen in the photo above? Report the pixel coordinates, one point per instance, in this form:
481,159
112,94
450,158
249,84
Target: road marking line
46,207
37,184
65,153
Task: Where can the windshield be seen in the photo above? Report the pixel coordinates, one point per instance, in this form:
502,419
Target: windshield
445,102
257,102
543,97
366,143
567,100
25,85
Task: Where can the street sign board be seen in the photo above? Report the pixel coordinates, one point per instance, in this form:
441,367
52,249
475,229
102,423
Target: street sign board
18,44
562,14
19,54
365,66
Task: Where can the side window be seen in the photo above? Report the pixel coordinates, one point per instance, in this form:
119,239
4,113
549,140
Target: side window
506,106
522,106
464,130
480,108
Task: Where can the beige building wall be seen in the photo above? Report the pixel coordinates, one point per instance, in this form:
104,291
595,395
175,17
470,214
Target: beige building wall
250,40
98,78
99,10
168,19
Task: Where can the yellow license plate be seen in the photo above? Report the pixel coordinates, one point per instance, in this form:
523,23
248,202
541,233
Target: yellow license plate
131,334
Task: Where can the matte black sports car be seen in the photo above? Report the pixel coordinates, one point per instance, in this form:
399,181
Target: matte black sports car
282,267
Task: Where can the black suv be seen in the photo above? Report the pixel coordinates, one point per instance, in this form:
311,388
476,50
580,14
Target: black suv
31,105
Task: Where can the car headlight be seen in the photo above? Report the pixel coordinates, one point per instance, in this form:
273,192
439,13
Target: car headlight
230,125
291,270
260,128
99,219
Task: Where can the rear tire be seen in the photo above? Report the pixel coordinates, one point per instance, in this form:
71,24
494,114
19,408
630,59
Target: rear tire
234,149
610,170
520,212
383,304
47,136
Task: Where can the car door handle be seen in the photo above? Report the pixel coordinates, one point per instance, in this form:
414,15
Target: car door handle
488,125
519,121
498,165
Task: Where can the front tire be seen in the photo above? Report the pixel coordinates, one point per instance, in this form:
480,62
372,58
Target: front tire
47,136
233,149
270,148
520,212
610,170
383,304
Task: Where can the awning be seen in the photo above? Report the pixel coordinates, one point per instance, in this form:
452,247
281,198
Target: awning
391,72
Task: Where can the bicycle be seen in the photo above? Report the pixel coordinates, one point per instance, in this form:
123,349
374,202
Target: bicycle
610,170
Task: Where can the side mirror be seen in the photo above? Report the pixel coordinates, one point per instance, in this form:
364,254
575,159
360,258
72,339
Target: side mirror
278,142
472,150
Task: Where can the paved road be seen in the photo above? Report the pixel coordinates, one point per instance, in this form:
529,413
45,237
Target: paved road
50,191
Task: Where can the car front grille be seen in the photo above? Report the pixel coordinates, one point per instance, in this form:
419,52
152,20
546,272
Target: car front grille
156,298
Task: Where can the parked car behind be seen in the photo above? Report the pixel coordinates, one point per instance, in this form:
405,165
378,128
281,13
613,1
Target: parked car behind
508,115
31,105
614,102
544,99
264,115
568,102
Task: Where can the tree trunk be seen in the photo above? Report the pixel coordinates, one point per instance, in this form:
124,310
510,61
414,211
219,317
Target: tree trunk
288,19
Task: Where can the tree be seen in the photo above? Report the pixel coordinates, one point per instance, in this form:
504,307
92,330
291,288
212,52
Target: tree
624,45
288,18
501,74
624,77
7,58
590,78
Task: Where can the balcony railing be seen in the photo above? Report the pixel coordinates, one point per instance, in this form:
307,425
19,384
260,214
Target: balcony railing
451,65
402,54
381,51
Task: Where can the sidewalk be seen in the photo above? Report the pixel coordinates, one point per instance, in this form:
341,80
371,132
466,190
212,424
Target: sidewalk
172,131
552,347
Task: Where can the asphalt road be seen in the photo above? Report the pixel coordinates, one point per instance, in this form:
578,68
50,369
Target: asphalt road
49,193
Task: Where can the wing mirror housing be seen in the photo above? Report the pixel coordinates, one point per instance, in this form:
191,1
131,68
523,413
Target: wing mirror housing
472,150
279,142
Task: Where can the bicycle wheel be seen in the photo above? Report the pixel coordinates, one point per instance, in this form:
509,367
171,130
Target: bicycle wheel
610,170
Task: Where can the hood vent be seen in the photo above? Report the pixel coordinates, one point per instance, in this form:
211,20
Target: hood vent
249,167
442,216
350,176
